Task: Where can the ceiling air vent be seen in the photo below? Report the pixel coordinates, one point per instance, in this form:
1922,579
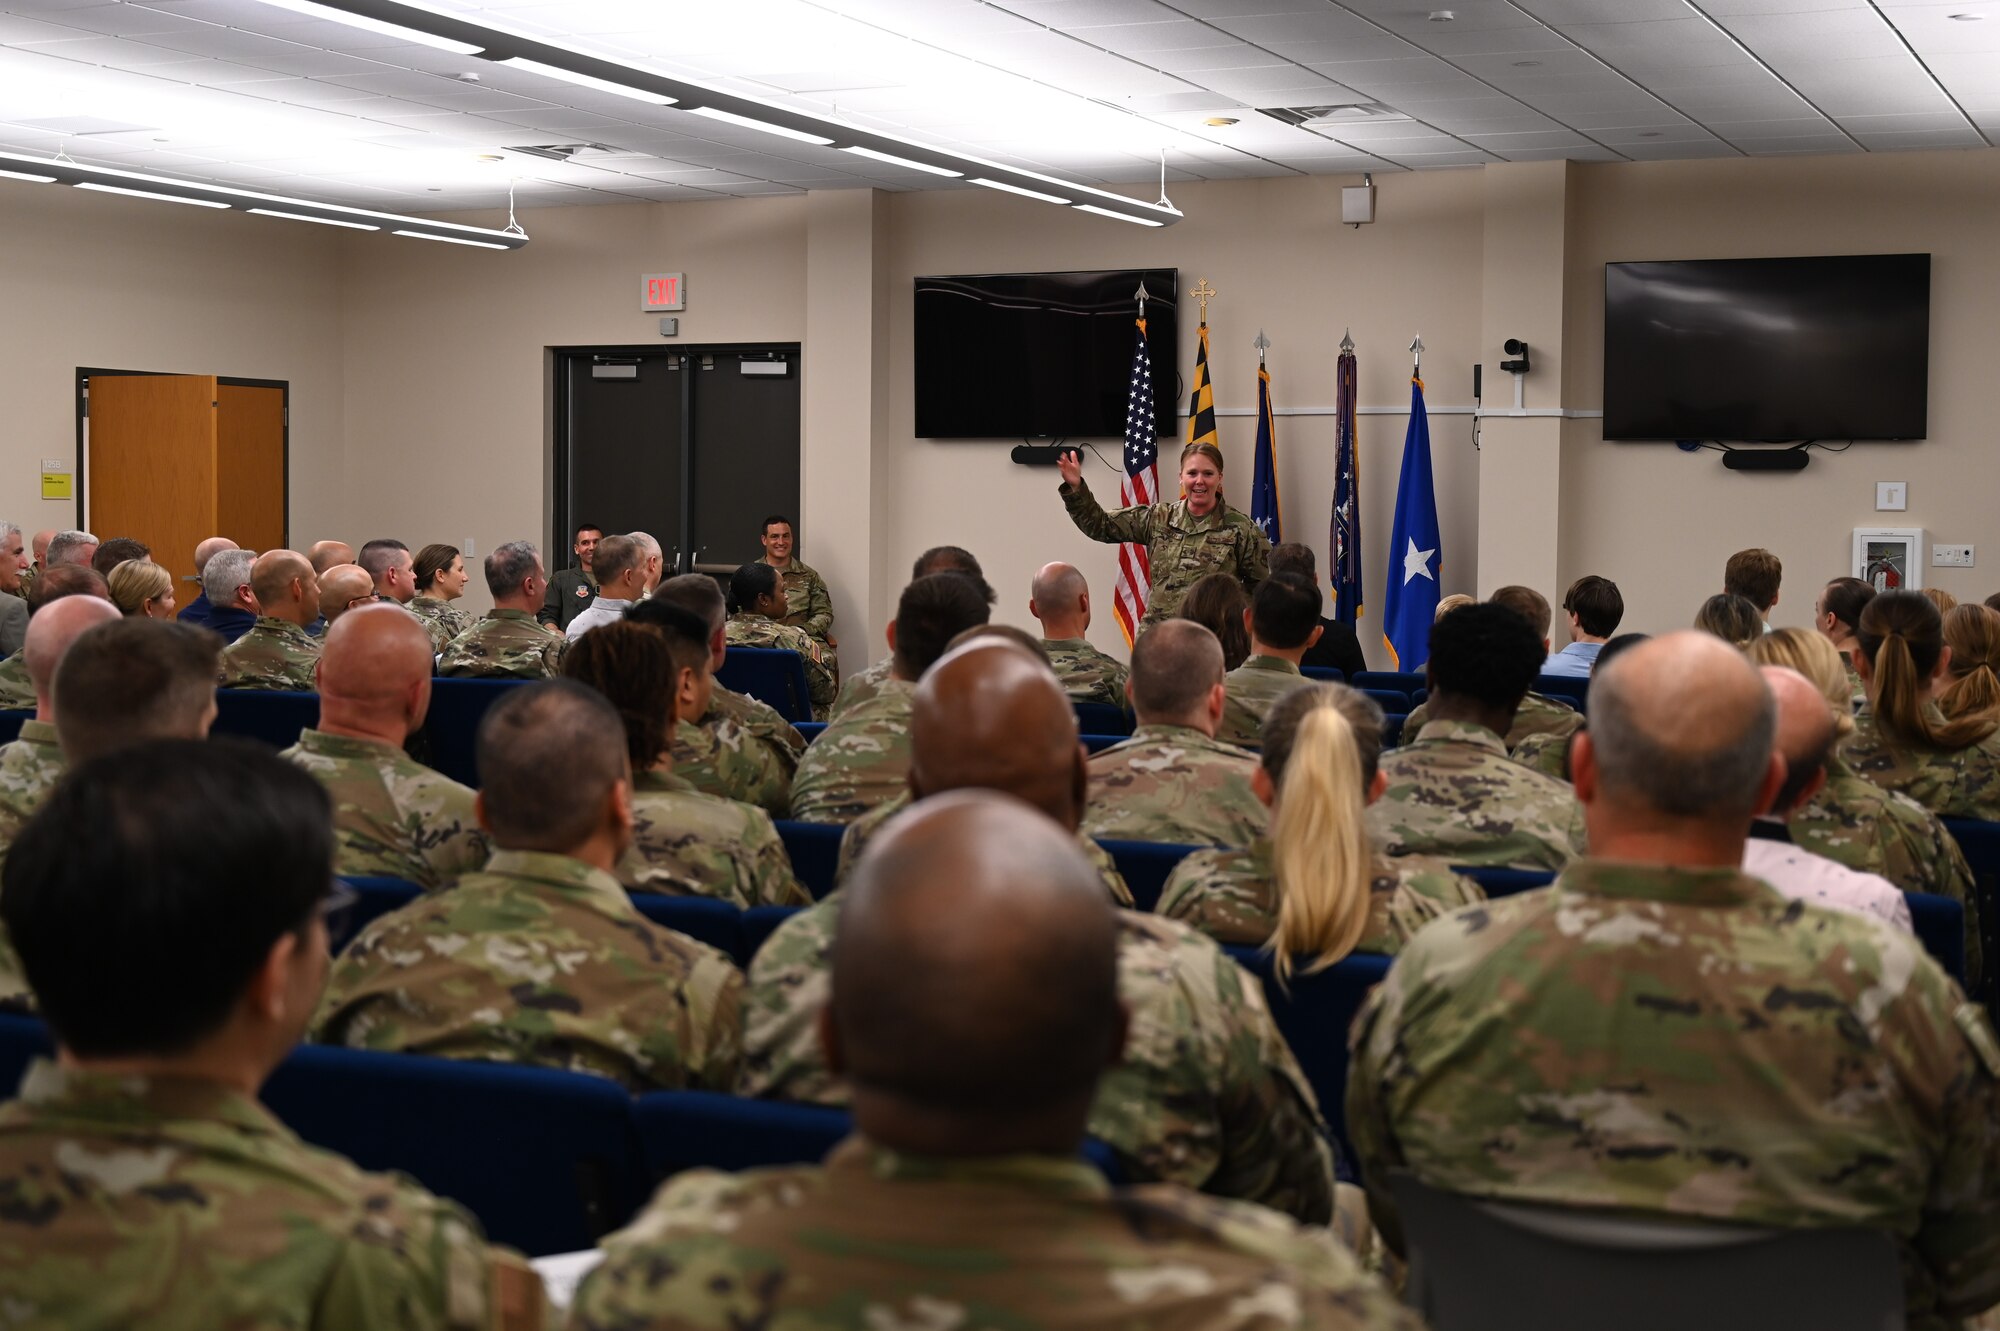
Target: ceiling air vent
563,152
1326,117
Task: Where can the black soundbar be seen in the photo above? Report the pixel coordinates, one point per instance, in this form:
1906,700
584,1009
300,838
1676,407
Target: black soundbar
1766,459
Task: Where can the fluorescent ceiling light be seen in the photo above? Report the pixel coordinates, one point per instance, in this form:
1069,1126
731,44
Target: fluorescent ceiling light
307,217
23,175
589,81
1019,189
451,240
311,10
1123,217
894,160
149,194
732,118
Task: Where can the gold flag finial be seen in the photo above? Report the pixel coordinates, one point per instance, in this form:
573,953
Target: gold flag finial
1204,293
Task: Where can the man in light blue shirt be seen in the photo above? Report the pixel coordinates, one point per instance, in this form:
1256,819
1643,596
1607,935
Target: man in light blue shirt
1594,607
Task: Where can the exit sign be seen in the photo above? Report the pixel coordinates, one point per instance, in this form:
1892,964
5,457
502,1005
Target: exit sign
662,291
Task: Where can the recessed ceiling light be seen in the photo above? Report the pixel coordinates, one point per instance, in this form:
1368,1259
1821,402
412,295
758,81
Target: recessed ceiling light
1220,121
1441,16
1527,64
467,77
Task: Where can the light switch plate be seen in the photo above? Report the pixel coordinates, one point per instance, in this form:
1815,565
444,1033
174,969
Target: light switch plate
466,550
1950,556
1891,496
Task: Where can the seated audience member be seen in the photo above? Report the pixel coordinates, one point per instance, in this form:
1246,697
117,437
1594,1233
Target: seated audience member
1805,739
342,588
13,605
572,589
1901,741
1209,1094
1337,647
277,652
1314,887
39,545
142,589
392,817
439,575
1837,616
117,551
1942,599
1971,687
71,547
31,765
1755,576
558,968
232,603
938,559
509,643
1594,607
1538,714
162,1192
1732,618
1453,792
17,689
1173,781
1284,622
1668,1097
1548,753
1059,599
652,562
862,759
388,562
976,1011
684,843
756,611
1447,604
1219,604
328,555
196,611
990,718
808,604
619,566
734,746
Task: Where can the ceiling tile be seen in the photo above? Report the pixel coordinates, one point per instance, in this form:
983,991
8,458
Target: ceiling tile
1677,152
1139,38
1557,13
1562,155
1963,137
1792,145
1514,142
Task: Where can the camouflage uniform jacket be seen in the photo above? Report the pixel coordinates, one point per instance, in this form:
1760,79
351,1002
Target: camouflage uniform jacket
1232,896
506,644
442,620
165,1202
760,719
1087,674
1174,784
719,757
855,840
863,685
1537,715
748,630
1253,688
392,817
1953,783
1746,1059
689,844
17,691
859,761
540,959
1183,549
807,603
1456,795
1853,821
1208,1094
1032,1243
1544,753
274,654
29,769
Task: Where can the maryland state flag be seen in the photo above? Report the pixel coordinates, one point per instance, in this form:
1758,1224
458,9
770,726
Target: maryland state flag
1201,402
1264,509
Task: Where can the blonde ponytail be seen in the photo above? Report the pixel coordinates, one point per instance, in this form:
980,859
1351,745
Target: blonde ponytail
1321,859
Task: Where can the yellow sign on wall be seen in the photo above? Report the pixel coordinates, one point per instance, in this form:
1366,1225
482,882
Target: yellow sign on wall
56,485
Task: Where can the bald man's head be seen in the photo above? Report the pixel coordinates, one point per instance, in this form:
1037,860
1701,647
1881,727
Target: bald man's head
1060,598
375,670
1681,727
285,586
330,554
51,632
991,715
1805,734
342,588
209,549
975,979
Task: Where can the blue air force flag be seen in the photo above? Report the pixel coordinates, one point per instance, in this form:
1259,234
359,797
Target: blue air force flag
1264,477
1415,556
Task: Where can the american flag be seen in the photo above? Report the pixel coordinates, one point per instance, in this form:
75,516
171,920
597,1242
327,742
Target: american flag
1141,485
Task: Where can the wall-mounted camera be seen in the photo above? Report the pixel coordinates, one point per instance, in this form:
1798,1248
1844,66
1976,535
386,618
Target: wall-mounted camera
1518,349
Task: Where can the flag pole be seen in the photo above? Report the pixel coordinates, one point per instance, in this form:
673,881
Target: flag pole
1417,357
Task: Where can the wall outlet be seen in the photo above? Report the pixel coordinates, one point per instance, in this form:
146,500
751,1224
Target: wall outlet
1891,496
1951,556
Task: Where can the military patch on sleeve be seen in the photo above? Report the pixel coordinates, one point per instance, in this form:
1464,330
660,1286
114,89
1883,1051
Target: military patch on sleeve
1978,1032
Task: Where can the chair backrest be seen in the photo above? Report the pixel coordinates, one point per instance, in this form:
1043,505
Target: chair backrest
374,898
452,726
1981,843
759,923
1324,674
1505,882
1571,689
704,919
775,675
1314,1017
1392,728
1940,925
809,730
272,716
1391,700
699,1129
548,1160
1144,865
815,852
11,723
1478,1265
23,1039
1400,681
1101,718
1099,743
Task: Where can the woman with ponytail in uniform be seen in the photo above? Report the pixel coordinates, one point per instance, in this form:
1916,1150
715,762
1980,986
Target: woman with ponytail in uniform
1315,888
1973,687
1902,741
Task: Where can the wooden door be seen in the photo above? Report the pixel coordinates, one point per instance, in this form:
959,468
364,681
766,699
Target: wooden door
250,466
152,465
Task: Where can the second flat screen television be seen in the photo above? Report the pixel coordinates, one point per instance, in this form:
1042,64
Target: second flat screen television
1031,355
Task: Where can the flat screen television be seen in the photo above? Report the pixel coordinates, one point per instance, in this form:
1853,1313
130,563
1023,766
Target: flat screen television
1768,350
1023,355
